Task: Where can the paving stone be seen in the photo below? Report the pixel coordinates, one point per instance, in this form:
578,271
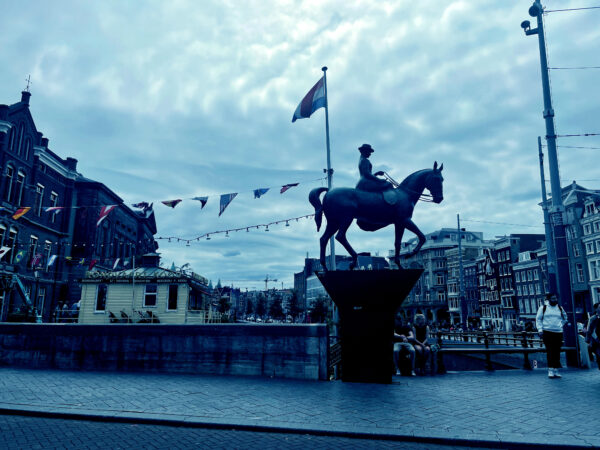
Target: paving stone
507,403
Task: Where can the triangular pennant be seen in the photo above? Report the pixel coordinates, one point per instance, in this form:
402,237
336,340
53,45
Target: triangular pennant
287,186
53,209
202,200
259,192
104,211
92,264
225,201
4,251
21,212
171,203
116,263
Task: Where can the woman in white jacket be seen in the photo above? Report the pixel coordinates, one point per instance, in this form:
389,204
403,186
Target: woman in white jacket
549,321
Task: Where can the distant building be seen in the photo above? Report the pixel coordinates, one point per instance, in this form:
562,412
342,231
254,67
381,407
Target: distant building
529,285
50,251
430,294
146,294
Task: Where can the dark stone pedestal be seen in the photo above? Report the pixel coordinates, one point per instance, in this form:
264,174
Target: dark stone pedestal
367,302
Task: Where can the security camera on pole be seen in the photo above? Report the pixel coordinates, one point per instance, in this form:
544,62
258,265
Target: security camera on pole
557,210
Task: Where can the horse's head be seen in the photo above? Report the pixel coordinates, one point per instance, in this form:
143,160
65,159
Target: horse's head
434,183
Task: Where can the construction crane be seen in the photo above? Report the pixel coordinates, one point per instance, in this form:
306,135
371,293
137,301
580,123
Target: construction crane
266,280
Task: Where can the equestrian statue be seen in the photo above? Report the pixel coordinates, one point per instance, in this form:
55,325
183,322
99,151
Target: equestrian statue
375,203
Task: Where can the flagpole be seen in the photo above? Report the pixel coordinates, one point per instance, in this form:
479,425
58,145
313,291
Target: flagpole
329,170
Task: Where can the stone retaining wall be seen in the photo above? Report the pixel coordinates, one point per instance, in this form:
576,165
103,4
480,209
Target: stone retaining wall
283,351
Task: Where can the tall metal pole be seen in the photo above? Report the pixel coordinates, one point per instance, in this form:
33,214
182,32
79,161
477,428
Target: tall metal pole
461,277
329,170
557,211
547,226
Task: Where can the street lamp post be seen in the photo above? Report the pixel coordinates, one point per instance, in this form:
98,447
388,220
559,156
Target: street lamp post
557,211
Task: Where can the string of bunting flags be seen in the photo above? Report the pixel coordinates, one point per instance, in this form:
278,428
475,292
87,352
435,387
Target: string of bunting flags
224,201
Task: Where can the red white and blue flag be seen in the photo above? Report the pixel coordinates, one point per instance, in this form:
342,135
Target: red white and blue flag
314,100
287,186
225,201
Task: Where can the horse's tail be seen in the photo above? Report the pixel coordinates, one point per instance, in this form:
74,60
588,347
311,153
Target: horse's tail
314,200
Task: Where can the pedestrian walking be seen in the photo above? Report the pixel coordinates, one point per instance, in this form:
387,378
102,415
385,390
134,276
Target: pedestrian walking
593,333
550,319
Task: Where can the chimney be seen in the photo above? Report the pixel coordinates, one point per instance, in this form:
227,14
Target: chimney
45,142
71,163
25,97
151,260
3,112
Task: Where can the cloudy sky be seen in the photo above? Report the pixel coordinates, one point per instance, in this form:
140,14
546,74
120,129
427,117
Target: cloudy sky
163,100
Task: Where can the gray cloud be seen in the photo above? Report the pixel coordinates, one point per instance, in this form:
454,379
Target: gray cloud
176,99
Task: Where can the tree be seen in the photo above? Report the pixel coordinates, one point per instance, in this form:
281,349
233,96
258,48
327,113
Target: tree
249,306
261,306
320,310
223,304
294,306
276,309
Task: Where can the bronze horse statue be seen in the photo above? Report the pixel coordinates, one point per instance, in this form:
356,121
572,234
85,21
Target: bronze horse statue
374,210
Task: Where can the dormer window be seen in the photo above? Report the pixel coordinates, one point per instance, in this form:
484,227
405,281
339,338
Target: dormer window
20,140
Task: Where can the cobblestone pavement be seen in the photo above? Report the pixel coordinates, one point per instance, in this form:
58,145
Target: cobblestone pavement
46,434
499,407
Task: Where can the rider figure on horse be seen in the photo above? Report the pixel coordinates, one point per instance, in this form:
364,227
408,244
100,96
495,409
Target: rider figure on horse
369,181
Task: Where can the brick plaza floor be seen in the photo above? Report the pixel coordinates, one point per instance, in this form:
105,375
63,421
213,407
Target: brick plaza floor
504,406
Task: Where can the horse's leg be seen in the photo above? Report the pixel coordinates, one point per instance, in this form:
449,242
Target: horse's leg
399,229
341,238
410,226
330,229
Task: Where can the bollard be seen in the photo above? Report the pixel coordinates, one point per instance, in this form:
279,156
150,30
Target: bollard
488,358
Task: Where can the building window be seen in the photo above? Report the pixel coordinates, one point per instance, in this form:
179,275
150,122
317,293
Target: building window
150,295
19,188
536,275
47,251
11,143
441,296
519,290
598,246
538,289
586,229
531,289
33,243
589,248
439,279
10,173
12,243
27,148
39,199
172,301
594,270
53,202
41,297
596,226
101,297
576,249
20,142
580,277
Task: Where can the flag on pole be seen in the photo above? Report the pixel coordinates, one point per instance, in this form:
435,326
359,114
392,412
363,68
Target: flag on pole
260,192
19,256
116,263
287,186
51,261
202,200
21,212
53,209
314,100
225,201
35,259
104,211
4,251
171,203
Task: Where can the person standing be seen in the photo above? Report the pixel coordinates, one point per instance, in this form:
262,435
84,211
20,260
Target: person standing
550,319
